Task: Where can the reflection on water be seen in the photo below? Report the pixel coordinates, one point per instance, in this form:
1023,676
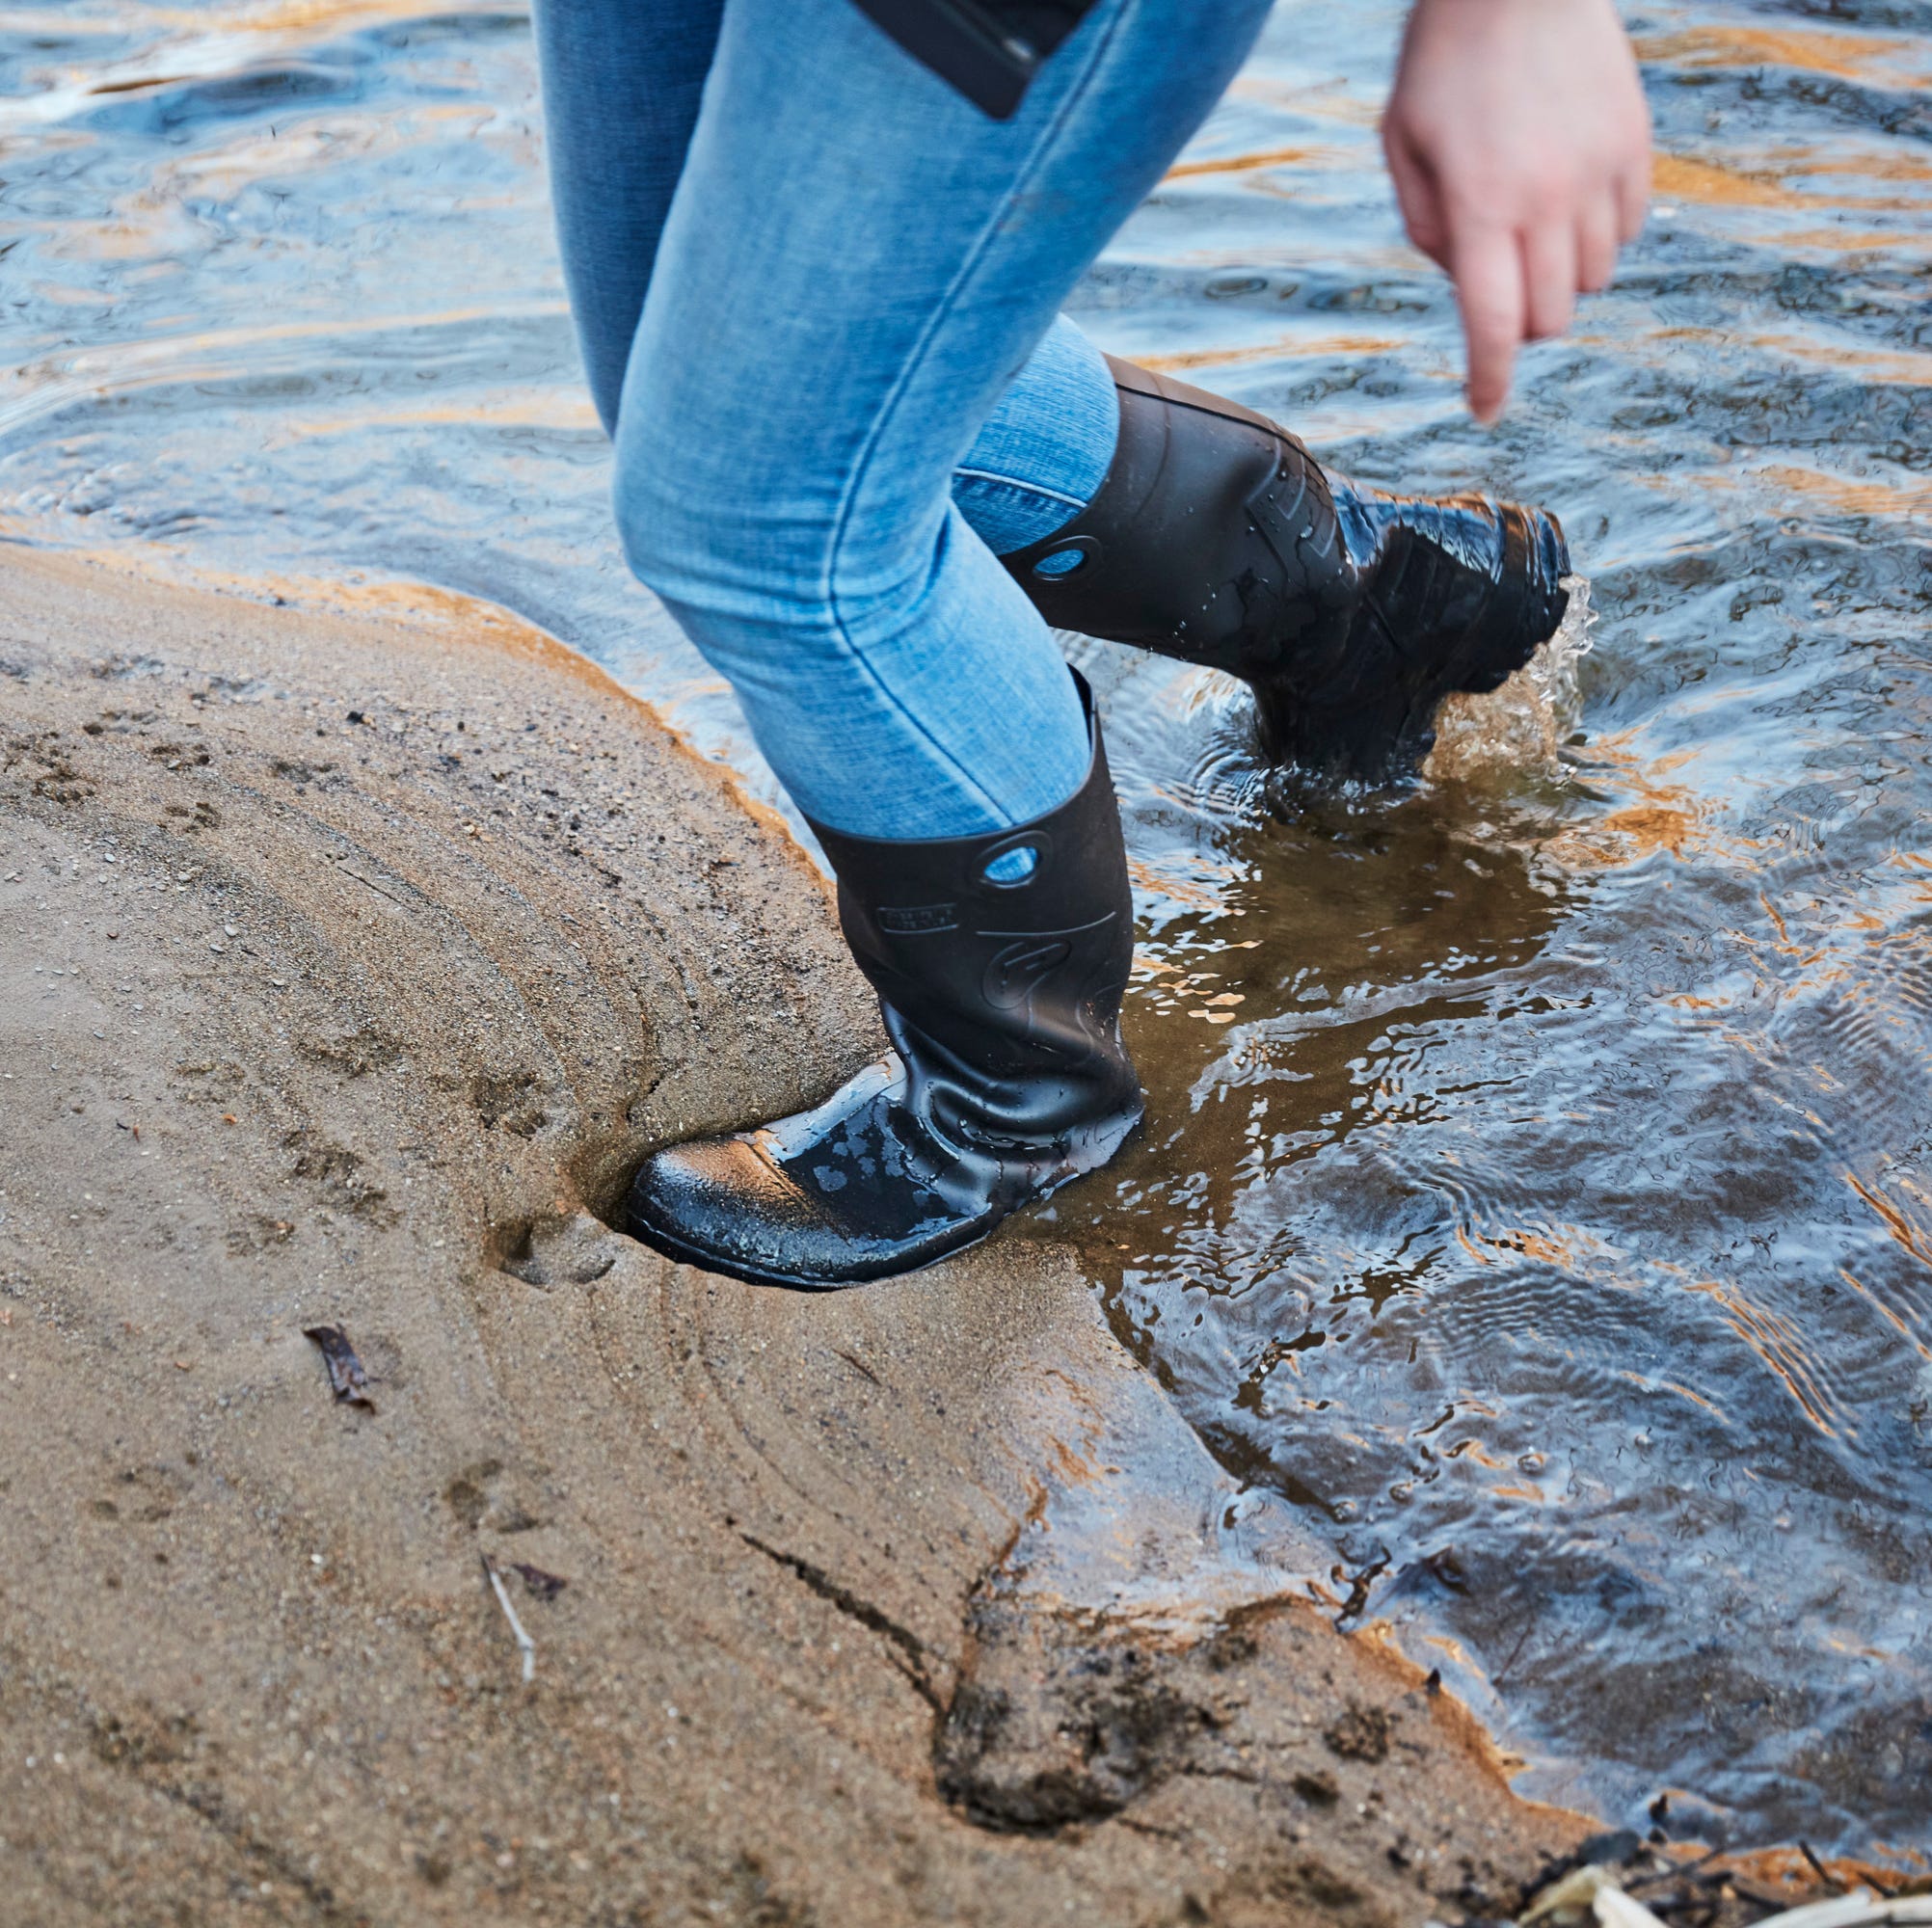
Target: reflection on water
1538,1190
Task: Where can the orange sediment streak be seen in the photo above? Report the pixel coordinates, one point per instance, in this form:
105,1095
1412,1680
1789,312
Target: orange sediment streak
1285,346
1901,1228
1240,164
1843,56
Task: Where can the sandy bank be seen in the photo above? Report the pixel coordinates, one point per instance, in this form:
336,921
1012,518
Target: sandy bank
347,970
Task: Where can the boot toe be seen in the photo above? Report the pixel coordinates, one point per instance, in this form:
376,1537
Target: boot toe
725,1205
1548,600
1517,617
1552,546
720,1204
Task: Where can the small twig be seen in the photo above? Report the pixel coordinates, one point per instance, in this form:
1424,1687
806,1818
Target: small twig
858,1365
1675,1870
1763,1896
1359,1584
376,887
1159,1833
525,1646
1818,1868
1515,1654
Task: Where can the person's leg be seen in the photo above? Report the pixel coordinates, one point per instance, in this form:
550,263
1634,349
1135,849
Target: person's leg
855,266
1218,538
1040,457
1348,659
1137,508
854,269
622,82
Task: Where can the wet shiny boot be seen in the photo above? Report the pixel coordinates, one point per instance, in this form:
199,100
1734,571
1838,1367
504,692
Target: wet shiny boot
1007,1075
1219,538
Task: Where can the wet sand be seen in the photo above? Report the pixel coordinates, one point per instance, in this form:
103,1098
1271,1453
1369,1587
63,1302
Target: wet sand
350,966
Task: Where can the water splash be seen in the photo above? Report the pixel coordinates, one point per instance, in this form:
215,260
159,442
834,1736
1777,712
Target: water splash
1519,730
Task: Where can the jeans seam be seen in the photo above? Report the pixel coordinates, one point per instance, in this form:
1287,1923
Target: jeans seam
1026,171
1023,487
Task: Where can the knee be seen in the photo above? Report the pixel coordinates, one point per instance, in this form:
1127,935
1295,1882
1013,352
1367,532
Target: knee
688,513
668,541
762,545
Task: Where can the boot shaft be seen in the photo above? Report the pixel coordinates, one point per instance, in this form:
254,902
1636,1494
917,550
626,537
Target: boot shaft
1214,537
1001,994
1001,998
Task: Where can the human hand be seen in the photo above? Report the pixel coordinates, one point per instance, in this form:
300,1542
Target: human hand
1519,142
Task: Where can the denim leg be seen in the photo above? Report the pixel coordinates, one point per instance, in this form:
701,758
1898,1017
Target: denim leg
622,80
622,84
1045,449
854,267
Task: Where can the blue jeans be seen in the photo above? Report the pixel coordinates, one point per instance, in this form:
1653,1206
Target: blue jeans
817,294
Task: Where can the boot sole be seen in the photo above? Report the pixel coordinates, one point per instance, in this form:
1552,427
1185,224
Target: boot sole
669,1246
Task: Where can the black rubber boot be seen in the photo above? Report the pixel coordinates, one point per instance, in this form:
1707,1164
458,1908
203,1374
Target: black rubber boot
1216,538
1006,1079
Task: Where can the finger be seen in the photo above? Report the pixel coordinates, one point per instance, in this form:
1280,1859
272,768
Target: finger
1633,199
1418,196
1549,278
1597,230
1486,263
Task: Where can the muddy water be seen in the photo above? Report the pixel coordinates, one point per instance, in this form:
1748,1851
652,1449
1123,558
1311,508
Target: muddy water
1538,1193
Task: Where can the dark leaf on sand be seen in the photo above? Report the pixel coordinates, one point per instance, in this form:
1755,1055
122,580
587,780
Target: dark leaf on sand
346,1376
545,1585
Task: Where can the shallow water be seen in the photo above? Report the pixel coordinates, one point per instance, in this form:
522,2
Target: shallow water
1538,1191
